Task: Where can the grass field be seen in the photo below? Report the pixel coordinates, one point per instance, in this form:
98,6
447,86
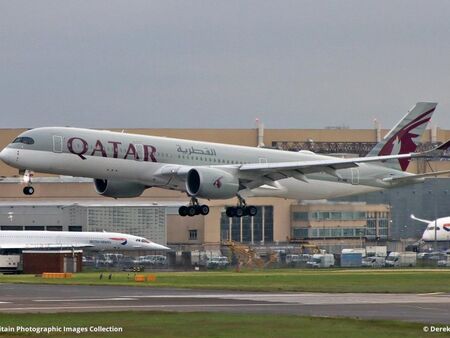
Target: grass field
390,281
168,325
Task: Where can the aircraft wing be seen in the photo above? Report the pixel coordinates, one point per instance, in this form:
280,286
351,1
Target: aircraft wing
256,174
44,246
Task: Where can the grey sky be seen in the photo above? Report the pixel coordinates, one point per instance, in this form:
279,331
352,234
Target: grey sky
220,64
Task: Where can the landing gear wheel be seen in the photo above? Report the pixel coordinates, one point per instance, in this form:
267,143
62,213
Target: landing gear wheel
204,209
183,211
230,212
252,211
192,210
239,211
28,190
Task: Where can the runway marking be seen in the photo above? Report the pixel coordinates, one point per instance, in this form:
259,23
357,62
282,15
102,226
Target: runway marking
430,294
424,308
5,302
84,299
168,306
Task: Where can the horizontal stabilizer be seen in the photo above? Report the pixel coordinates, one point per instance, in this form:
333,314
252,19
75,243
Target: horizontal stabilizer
415,177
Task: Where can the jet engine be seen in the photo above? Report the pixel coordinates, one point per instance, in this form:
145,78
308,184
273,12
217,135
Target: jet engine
118,189
211,183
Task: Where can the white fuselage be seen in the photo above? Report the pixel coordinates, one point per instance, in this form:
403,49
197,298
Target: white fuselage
148,160
438,230
68,239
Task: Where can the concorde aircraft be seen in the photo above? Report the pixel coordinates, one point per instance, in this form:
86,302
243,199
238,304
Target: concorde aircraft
101,241
124,165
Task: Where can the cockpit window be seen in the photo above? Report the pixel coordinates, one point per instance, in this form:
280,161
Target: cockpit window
24,139
145,241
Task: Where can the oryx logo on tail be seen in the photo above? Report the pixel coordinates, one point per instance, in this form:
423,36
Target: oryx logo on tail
405,136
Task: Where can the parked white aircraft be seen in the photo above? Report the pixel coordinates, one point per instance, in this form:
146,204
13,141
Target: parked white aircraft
124,165
437,230
101,241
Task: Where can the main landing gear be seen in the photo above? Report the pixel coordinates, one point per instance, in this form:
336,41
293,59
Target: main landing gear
193,209
28,190
242,209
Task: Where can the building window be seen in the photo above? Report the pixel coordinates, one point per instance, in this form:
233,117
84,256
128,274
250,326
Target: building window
35,227
192,235
75,228
11,227
54,228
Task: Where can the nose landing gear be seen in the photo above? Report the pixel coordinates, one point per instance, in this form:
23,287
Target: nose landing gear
27,175
28,190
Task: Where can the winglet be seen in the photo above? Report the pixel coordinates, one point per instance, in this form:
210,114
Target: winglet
444,146
435,152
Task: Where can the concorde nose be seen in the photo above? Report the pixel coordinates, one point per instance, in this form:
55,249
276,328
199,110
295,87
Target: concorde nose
155,246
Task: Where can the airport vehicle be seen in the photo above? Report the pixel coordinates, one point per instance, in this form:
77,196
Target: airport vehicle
445,261
361,251
437,230
124,165
321,261
351,259
9,263
13,240
217,262
376,251
373,261
401,259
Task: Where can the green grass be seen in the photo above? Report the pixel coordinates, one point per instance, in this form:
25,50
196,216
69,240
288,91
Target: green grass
186,325
381,281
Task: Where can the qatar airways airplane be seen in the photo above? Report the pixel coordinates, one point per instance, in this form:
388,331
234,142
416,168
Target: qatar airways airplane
98,241
124,165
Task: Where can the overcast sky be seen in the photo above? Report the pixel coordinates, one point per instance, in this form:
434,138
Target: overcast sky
221,64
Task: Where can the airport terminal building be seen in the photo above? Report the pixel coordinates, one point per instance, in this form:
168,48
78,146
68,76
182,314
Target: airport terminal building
73,204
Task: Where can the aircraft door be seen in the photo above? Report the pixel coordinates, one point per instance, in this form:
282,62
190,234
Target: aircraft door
355,175
57,144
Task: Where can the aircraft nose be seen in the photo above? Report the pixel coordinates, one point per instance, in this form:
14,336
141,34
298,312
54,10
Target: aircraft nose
3,154
155,246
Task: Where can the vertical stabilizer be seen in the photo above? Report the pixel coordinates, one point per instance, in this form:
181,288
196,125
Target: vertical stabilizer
406,135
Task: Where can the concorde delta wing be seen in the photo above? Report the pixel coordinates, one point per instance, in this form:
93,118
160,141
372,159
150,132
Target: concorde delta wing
44,246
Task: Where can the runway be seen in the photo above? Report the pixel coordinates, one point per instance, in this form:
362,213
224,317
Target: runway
21,298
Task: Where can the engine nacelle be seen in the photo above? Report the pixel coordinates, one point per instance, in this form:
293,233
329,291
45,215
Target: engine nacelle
211,183
118,189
